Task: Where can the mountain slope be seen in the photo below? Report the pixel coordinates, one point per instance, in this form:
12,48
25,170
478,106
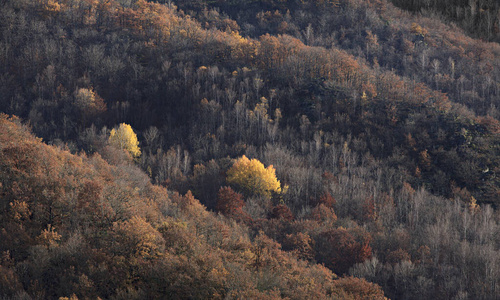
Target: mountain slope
75,225
382,127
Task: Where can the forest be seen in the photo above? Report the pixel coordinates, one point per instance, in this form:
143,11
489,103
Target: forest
478,17
257,149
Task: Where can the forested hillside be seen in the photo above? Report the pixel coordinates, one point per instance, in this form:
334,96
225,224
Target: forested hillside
76,226
481,18
338,148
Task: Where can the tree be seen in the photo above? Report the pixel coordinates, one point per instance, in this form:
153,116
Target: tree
124,137
358,288
301,244
136,237
339,249
253,178
230,203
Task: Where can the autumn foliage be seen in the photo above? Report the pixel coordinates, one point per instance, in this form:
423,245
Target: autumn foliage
230,203
125,138
95,231
251,177
356,288
339,249
282,212
398,111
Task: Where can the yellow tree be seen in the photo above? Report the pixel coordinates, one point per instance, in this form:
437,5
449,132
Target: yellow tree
253,178
124,137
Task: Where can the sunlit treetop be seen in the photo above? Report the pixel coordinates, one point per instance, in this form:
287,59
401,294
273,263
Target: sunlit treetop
252,178
125,138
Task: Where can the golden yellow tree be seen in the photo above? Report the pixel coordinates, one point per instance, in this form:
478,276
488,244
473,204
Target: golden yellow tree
253,178
124,137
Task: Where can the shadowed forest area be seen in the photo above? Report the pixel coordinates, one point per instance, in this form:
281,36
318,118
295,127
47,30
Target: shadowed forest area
259,149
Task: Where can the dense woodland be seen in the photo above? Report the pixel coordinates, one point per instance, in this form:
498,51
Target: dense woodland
313,149
479,17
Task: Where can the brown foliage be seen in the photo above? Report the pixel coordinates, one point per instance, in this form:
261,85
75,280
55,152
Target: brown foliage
282,212
137,238
326,199
267,253
397,256
339,249
229,201
324,214
359,289
301,244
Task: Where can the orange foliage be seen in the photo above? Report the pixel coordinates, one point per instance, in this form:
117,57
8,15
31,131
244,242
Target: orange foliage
359,289
301,244
327,199
49,237
397,256
323,213
266,253
136,237
418,30
274,51
48,8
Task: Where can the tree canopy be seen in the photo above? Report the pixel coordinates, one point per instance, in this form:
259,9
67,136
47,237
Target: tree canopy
252,178
125,138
